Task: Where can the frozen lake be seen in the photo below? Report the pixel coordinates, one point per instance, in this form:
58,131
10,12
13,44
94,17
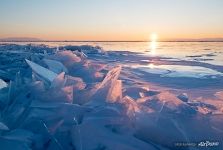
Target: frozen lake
117,92
209,52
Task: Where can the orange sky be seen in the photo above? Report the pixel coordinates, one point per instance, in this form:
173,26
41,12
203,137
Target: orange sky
118,20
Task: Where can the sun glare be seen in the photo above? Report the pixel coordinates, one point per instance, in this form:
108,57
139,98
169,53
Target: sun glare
153,37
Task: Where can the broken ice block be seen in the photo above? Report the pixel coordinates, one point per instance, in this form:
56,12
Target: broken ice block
41,71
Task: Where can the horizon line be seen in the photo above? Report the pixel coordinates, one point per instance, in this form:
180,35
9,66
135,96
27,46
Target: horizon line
109,41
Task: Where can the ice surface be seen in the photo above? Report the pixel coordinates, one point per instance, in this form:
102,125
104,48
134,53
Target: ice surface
87,49
181,71
116,111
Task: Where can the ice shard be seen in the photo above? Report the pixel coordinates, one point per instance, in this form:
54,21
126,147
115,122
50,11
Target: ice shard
7,144
3,84
109,90
18,139
59,81
77,82
5,75
64,94
80,54
41,71
115,94
55,66
3,126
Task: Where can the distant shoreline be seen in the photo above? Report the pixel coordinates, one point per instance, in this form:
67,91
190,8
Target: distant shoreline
104,41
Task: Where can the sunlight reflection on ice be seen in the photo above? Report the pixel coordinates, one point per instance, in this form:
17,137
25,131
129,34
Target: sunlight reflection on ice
153,43
179,71
153,46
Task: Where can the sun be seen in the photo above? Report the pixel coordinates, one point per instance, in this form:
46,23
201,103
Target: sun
153,37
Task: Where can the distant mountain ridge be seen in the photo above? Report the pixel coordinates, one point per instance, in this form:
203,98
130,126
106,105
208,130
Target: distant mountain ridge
20,39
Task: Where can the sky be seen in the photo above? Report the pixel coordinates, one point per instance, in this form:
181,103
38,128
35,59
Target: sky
111,19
